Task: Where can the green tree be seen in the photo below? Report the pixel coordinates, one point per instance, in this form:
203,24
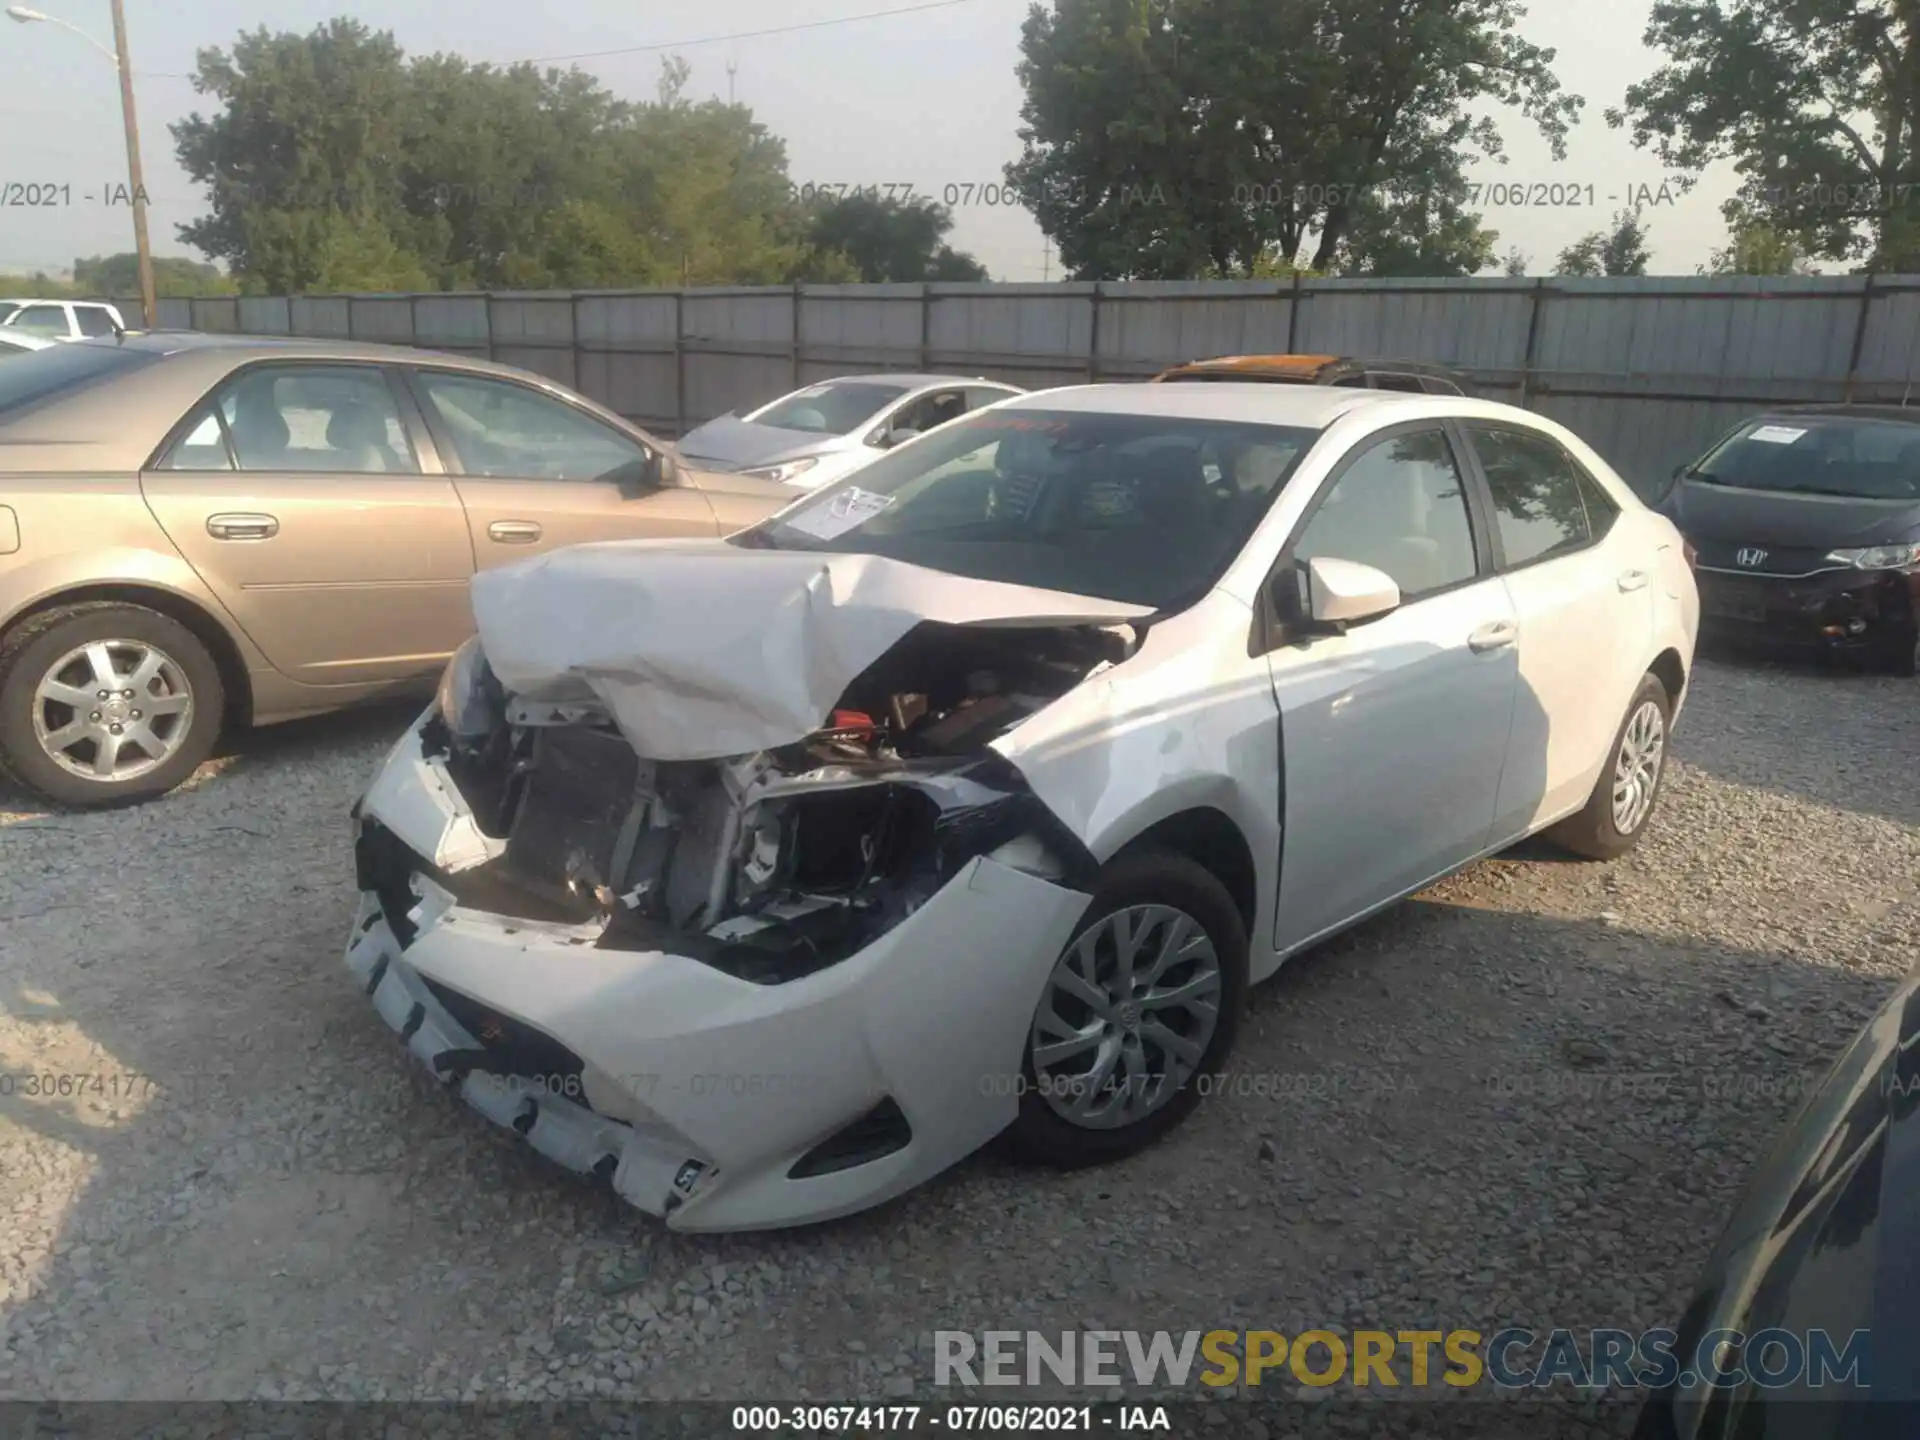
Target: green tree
1515,263
1816,103
1755,247
1166,139
889,239
173,275
1619,251
335,160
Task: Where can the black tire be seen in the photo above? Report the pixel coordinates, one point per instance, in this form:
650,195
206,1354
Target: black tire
1594,833
31,650
1904,658
1039,1135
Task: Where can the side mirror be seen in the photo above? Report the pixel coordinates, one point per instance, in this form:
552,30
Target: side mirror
1334,594
657,471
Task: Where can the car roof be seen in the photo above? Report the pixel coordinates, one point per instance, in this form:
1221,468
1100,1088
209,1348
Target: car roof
1314,406
242,348
1304,366
911,379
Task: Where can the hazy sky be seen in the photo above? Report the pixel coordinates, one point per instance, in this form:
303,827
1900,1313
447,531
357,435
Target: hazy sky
927,99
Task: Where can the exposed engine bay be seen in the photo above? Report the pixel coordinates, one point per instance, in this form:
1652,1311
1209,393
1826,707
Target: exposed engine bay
774,865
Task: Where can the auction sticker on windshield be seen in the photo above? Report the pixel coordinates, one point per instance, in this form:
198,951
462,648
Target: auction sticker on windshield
1776,434
843,512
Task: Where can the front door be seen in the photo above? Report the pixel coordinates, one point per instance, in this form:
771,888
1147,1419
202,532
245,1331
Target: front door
295,492
1395,733
535,472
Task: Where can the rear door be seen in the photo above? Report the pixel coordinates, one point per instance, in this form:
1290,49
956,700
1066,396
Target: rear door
296,491
1395,732
535,472
1584,601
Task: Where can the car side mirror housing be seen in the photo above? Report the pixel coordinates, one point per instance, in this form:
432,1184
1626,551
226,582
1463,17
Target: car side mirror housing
658,471
1327,595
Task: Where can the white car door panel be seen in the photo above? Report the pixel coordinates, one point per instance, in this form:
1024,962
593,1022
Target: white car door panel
1579,582
1395,732
1395,737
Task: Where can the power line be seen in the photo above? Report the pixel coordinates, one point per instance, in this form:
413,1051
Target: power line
750,34
686,44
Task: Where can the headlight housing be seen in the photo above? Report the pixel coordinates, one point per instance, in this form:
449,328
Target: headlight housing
1879,557
468,695
783,474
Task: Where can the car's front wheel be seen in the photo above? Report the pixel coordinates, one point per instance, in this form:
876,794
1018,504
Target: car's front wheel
1138,1014
105,703
1624,797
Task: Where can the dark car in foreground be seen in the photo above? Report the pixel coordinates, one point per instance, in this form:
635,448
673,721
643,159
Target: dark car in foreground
1823,1253
1806,524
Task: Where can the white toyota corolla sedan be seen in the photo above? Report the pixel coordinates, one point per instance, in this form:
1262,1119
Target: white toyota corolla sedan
767,877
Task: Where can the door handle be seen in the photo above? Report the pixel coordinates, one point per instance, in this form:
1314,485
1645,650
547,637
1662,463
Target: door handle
242,527
513,532
1497,636
1633,580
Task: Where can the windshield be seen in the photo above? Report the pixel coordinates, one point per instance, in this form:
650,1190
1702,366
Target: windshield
830,409
1142,509
39,374
1861,459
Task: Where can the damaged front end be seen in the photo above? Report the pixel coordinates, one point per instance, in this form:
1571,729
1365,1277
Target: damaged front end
774,865
555,911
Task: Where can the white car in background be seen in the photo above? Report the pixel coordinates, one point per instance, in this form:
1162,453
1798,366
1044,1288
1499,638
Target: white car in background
767,877
60,320
823,432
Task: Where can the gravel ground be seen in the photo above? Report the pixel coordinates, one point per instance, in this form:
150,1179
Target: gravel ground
1440,1120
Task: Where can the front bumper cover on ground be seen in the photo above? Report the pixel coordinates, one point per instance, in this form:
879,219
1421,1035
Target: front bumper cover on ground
699,1095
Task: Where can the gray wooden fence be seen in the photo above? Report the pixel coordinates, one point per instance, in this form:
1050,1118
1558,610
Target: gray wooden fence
1648,370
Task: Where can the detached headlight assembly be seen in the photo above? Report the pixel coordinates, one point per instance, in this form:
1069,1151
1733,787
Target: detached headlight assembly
469,696
1879,557
782,474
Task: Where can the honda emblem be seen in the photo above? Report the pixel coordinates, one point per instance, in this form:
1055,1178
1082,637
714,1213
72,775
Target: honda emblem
1751,559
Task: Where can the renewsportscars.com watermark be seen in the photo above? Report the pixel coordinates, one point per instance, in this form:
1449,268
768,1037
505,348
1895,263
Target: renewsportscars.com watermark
1377,1360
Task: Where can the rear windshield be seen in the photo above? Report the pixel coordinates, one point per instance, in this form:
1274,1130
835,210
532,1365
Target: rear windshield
1862,459
829,409
43,374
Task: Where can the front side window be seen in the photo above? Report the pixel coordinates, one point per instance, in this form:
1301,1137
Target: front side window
1538,505
204,447
833,408
93,320
49,322
498,428
339,418
1863,459
1145,510
931,411
1401,507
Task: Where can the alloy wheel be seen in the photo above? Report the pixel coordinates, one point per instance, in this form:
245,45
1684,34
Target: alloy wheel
1129,1012
112,710
1636,772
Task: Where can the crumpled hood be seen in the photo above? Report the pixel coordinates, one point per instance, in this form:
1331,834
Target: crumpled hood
703,650
730,443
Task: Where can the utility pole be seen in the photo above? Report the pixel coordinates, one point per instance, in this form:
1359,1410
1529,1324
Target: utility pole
1046,261
148,301
731,67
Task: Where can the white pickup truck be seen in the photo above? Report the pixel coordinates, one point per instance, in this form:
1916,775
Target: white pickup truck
60,319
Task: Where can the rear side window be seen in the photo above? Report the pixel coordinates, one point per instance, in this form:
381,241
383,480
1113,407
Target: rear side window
1601,510
1539,505
48,374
